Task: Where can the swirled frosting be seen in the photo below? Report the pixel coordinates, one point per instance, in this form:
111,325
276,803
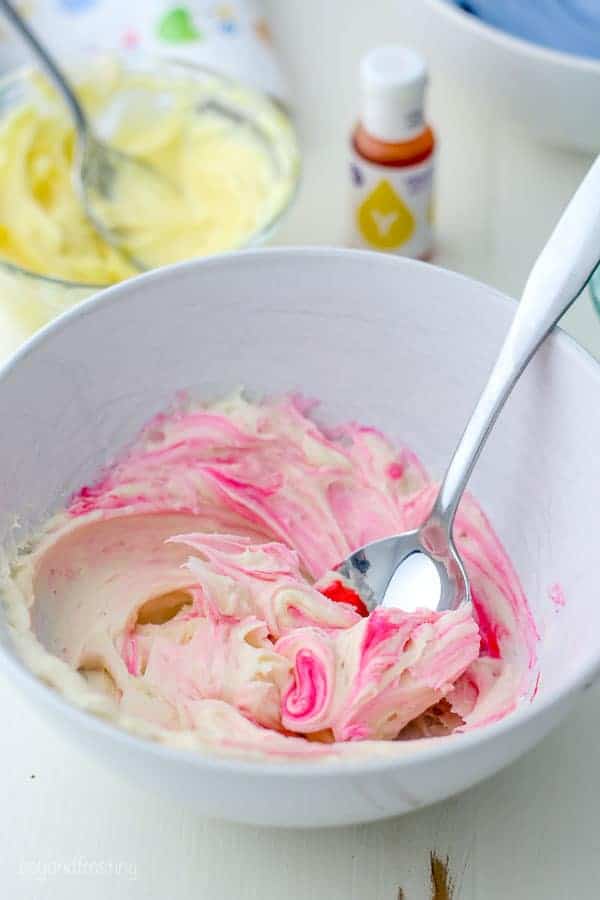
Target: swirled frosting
189,594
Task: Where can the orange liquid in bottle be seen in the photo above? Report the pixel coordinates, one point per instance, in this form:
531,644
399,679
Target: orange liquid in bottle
405,153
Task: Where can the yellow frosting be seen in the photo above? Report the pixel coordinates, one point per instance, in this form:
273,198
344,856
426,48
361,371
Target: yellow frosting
230,180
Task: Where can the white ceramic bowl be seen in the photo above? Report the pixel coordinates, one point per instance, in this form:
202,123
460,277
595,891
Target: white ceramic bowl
555,95
399,344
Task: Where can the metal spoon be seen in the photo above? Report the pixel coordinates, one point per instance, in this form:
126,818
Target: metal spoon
110,183
422,568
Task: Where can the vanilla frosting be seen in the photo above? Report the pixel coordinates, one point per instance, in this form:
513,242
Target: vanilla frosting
188,594
220,180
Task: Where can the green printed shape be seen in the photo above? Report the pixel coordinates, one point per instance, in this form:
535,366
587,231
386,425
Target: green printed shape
177,27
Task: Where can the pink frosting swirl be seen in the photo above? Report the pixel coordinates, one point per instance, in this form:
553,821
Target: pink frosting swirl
193,582
372,679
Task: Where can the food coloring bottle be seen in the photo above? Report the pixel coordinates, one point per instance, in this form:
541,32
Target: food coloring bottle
392,156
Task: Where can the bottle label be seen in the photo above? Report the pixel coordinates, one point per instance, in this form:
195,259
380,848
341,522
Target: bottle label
392,207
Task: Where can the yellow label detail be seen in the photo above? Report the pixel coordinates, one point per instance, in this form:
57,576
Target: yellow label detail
384,219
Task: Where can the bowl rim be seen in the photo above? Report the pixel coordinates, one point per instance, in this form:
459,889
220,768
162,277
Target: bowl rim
22,73
513,43
16,669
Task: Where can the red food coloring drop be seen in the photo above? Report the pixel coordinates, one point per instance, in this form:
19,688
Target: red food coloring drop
395,470
340,593
488,630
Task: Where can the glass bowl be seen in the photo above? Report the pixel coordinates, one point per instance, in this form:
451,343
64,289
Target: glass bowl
29,299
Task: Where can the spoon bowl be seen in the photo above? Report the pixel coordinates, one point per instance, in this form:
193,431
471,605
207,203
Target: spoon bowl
410,571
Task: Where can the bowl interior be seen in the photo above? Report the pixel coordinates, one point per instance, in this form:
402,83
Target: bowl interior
489,27
553,27
400,345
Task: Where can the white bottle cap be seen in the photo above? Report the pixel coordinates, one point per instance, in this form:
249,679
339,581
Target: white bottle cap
392,83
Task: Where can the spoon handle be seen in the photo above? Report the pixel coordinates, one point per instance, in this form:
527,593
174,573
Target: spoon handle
47,62
559,274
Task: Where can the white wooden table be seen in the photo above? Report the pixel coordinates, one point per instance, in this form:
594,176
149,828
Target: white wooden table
69,829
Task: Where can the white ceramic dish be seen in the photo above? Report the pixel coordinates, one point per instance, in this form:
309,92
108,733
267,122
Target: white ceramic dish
553,94
402,345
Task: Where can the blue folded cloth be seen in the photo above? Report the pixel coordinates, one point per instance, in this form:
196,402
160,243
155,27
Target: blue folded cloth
569,25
